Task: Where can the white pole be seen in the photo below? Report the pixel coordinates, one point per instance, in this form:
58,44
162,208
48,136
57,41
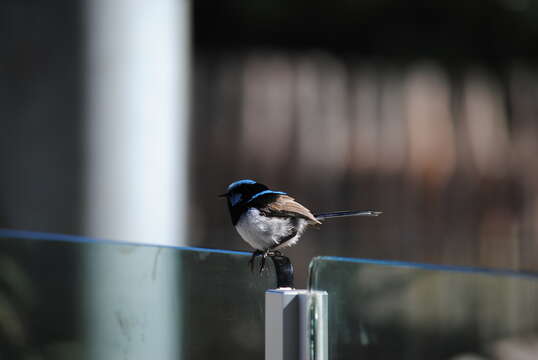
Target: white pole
137,111
136,146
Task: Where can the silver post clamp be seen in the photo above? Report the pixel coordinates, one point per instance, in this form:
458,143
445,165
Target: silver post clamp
295,320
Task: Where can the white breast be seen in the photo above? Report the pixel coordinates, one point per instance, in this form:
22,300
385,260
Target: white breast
262,232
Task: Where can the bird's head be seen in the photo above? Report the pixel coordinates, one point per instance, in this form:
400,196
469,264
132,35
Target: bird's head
243,194
241,191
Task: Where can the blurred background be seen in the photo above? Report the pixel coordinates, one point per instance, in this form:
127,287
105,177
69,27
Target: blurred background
124,119
426,111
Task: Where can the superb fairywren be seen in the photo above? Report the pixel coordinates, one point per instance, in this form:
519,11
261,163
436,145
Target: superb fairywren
271,220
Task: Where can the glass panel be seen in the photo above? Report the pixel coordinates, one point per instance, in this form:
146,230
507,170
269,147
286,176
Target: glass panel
390,310
64,297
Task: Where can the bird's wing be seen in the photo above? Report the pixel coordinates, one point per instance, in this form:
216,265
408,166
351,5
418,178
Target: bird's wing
284,205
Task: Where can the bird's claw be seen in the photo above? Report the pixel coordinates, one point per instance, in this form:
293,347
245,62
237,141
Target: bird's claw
264,255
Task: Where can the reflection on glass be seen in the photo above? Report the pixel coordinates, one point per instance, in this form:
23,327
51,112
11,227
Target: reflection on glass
64,297
388,310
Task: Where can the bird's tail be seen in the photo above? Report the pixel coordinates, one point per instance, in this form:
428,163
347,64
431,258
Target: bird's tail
336,214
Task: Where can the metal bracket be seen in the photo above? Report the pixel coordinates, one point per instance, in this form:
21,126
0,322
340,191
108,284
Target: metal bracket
283,270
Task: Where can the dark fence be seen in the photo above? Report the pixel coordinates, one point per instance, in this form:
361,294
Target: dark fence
449,156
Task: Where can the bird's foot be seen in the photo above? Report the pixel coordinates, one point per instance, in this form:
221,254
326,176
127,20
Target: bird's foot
264,255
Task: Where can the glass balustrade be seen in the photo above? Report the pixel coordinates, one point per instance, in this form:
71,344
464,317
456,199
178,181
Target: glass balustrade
65,297
391,310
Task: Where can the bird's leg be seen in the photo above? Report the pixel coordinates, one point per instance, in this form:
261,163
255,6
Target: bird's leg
254,255
268,253
264,255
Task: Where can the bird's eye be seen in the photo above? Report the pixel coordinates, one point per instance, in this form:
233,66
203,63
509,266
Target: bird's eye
235,198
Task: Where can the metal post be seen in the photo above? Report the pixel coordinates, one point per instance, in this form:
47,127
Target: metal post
296,324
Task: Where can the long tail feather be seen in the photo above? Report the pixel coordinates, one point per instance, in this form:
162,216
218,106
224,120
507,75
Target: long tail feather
336,214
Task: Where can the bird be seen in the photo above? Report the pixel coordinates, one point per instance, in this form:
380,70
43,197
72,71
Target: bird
271,220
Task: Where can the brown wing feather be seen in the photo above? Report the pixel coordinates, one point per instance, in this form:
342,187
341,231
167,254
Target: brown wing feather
285,205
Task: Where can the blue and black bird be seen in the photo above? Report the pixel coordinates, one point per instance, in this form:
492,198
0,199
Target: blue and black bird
270,220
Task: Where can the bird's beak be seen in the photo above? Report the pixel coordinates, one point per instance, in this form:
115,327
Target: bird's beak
223,195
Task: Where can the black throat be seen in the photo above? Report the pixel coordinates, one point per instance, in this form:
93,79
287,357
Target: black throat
236,211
